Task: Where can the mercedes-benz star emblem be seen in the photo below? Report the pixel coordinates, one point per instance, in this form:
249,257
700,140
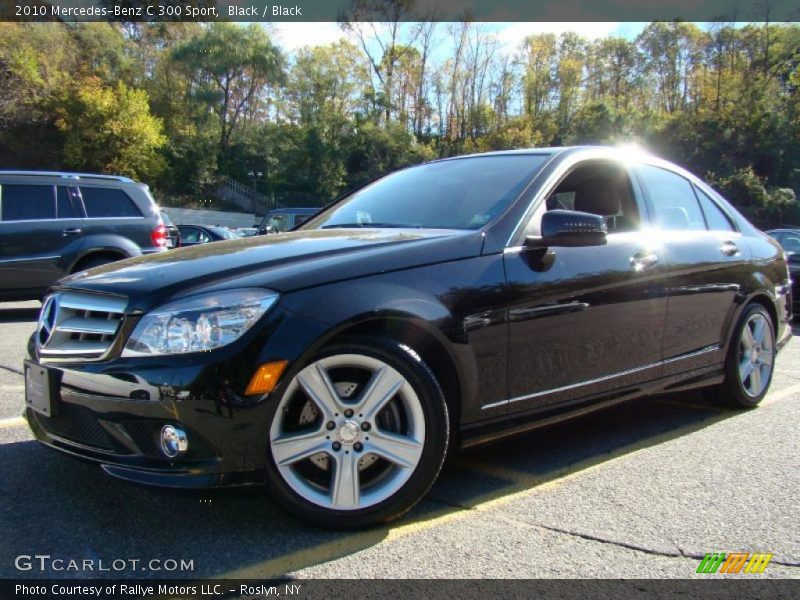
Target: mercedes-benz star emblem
47,320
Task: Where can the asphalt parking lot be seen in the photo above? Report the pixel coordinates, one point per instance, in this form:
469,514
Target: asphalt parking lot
643,490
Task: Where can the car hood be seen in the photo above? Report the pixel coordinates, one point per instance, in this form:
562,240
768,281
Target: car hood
283,262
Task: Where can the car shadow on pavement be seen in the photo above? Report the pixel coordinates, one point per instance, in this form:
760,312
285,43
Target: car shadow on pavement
18,315
51,504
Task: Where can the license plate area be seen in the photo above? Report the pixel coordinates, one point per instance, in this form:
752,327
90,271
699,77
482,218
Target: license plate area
39,389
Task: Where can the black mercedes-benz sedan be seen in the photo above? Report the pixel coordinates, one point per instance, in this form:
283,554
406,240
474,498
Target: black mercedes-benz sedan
441,306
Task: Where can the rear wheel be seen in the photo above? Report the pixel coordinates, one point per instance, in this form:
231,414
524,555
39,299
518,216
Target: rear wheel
750,361
92,262
358,435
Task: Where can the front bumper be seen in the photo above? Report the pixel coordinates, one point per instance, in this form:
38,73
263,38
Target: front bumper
111,412
114,418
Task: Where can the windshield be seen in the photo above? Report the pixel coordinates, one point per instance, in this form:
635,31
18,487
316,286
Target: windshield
278,222
455,194
790,243
166,219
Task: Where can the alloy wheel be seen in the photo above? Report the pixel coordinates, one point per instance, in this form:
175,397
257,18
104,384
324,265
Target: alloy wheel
756,354
348,433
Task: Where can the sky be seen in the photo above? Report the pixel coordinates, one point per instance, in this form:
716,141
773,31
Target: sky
292,35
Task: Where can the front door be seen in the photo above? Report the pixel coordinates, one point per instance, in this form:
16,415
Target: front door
589,320
32,237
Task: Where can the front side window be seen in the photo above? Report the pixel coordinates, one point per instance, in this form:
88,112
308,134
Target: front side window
108,202
28,202
601,188
674,203
464,193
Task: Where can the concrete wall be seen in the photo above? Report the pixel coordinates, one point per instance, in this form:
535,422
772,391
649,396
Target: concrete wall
191,216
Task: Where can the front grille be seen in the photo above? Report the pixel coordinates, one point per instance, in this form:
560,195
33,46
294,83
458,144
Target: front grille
78,324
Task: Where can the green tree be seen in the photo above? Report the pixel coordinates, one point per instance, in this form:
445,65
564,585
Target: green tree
110,129
231,67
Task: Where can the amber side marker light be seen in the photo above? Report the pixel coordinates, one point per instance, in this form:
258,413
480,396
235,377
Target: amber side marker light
266,377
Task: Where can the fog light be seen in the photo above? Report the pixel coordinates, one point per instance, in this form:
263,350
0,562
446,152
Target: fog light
173,441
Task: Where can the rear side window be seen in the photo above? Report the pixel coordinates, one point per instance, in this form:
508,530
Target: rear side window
28,202
108,202
66,204
716,219
674,204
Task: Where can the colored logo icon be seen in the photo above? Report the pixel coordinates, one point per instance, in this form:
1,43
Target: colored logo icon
734,562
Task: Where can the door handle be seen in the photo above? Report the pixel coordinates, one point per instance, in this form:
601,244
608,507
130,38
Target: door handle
729,249
642,261
72,231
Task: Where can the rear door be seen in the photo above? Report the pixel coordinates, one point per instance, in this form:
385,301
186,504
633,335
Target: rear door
112,211
705,254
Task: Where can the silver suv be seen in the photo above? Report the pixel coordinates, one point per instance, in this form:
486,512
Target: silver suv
55,224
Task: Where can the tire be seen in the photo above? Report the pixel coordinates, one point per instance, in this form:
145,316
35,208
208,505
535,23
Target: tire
750,362
357,436
92,262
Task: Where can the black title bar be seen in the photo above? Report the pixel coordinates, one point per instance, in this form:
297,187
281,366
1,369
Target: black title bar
398,10
707,588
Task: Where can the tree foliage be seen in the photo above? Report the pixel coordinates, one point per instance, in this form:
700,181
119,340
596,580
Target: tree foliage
182,105
109,129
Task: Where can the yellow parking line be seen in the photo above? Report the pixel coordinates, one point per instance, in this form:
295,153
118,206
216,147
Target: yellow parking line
345,546
521,484
12,422
782,394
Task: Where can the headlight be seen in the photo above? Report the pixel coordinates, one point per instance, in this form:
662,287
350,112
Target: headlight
198,323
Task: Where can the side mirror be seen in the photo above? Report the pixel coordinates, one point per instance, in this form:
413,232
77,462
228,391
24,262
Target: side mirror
569,228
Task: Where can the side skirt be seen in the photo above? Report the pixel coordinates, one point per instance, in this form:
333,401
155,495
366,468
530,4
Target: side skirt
488,431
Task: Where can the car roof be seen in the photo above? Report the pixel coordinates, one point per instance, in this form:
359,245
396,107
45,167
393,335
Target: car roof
293,211
66,175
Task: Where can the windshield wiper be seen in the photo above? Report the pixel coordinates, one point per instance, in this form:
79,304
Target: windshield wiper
363,225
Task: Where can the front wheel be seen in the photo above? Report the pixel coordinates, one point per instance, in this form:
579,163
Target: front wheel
750,361
358,435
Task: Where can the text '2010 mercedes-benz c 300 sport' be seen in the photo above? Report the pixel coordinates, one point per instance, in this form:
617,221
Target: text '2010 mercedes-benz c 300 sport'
441,306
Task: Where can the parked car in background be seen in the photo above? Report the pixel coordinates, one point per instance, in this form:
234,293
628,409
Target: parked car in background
192,235
173,233
446,304
789,239
245,231
285,219
56,223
